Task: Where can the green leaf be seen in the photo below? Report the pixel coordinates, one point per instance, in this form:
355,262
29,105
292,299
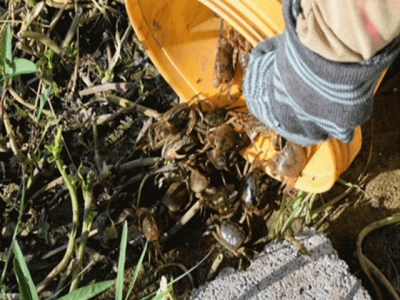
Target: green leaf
119,288
42,101
22,281
26,286
137,269
141,88
22,66
5,51
89,291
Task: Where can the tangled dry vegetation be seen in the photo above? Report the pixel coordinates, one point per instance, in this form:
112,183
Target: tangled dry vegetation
89,141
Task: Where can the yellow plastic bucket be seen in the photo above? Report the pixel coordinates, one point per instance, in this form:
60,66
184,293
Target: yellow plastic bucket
180,37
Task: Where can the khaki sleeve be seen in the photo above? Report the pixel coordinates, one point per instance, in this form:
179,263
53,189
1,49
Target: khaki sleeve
348,30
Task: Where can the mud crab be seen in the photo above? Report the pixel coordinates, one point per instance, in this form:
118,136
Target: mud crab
230,235
288,164
149,227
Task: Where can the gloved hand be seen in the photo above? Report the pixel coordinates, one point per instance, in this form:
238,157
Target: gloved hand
304,97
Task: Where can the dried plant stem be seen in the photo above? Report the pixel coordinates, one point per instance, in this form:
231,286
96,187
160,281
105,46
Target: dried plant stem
363,260
26,104
43,38
151,113
72,28
185,218
108,87
213,270
137,163
333,201
46,187
96,141
13,144
110,117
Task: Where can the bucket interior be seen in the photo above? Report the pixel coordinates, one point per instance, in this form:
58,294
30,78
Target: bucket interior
181,39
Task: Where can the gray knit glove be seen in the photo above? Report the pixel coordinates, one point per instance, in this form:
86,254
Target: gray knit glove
304,97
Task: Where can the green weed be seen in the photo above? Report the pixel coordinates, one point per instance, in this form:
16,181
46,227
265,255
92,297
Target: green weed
12,66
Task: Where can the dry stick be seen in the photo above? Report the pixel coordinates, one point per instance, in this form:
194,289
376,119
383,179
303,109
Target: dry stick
367,230
13,144
185,218
137,163
43,38
96,143
125,110
213,270
60,4
108,87
26,104
73,29
31,16
109,117
47,187
54,21
3,96
151,113
118,41
102,10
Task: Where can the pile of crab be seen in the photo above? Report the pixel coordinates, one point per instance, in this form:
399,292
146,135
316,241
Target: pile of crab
201,169
203,173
